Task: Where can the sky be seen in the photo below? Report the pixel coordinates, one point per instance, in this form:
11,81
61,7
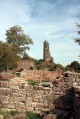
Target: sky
51,20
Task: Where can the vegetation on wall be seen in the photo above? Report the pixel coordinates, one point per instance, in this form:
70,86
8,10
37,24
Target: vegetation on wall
32,82
9,114
32,115
50,66
27,57
19,115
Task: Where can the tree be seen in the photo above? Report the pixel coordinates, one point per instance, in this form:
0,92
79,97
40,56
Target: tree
8,58
74,66
16,37
77,40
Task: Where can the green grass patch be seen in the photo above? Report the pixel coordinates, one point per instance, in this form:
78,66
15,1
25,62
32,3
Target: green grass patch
9,114
32,82
1,112
13,113
32,115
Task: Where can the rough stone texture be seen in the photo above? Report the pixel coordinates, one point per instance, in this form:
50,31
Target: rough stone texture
1,116
17,94
39,75
6,75
24,64
46,52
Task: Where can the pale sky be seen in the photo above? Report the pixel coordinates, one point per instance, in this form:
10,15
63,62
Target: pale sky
51,20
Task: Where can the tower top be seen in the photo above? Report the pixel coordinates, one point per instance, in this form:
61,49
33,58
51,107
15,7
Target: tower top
45,41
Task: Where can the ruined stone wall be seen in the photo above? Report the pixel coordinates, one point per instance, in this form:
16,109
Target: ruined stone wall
24,64
39,74
17,94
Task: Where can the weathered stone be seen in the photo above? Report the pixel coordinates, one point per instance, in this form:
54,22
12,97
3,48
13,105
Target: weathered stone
17,94
46,53
1,116
4,84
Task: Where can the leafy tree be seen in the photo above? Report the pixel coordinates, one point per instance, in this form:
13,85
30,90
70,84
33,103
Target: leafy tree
11,50
8,58
16,37
74,66
77,40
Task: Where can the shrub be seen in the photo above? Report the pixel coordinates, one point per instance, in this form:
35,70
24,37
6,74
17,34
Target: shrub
32,115
1,112
13,113
6,116
74,66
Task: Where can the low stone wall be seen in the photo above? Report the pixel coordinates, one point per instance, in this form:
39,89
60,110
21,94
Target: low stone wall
17,94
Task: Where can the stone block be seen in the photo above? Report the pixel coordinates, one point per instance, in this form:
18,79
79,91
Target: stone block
11,105
1,105
6,91
4,84
1,116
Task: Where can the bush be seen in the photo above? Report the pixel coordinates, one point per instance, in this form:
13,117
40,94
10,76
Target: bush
32,115
6,116
13,113
1,112
74,66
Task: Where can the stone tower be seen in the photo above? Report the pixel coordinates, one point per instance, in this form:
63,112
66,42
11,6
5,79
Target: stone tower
46,52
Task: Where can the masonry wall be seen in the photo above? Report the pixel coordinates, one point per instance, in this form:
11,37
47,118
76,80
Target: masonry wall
17,94
39,75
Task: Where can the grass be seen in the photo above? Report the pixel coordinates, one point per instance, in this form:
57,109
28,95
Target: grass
32,115
1,112
8,114
32,82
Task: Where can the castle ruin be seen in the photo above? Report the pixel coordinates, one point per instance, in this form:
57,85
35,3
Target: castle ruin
46,52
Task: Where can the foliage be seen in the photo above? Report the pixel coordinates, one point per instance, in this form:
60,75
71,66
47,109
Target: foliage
57,67
1,112
60,116
9,114
26,56
77,40
6,116
13,113
32,82
8,58
32,115
11,50
41,65
16,37
50,66
74,66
